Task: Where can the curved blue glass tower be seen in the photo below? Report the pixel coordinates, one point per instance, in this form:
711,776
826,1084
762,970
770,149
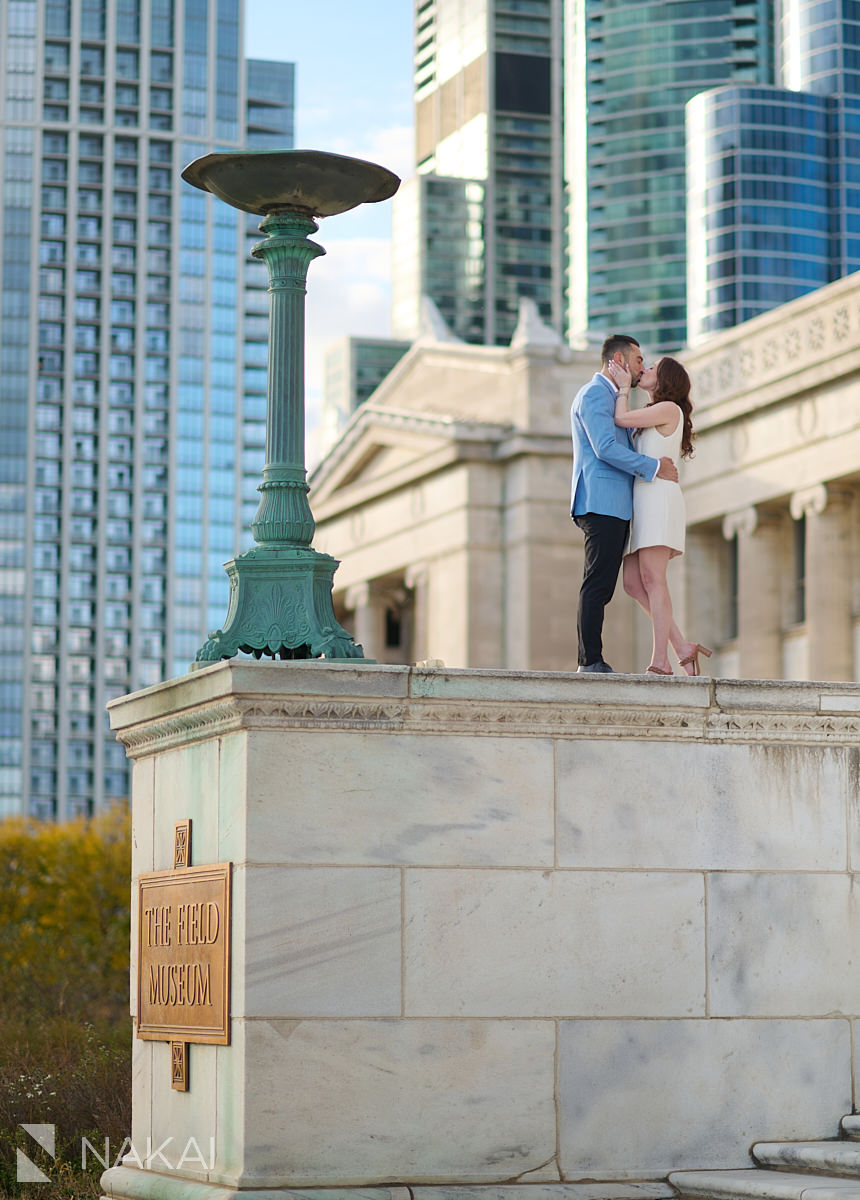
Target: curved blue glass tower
761,166
774,173
818,46
631,68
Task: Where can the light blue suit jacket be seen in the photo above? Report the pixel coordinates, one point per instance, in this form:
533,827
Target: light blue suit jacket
604,461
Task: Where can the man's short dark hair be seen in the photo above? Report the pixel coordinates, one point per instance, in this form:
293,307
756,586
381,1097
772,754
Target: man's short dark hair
614,343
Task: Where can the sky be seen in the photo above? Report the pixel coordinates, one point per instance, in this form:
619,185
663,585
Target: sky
353,96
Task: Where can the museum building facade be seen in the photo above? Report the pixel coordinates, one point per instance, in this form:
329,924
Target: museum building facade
446,499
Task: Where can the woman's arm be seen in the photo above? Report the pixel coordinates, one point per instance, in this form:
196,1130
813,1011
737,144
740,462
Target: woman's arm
622,407
664,413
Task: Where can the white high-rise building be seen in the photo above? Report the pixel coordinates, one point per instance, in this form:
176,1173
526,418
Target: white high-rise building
125,360
483,224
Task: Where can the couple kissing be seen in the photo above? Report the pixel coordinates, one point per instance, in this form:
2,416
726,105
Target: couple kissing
626,499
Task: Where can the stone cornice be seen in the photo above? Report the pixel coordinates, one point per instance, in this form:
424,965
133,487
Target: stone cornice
778,356
671,710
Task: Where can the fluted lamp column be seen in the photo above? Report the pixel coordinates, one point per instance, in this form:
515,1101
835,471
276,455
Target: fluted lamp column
284,516
280,592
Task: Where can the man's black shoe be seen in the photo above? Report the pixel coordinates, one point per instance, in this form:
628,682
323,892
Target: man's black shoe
596,668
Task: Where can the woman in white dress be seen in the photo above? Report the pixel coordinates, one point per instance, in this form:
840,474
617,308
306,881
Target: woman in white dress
664,430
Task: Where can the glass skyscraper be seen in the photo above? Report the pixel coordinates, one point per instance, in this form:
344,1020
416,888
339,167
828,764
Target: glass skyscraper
818,46
269,126
354,368
485,224
122,344
630,70
439,250
774,174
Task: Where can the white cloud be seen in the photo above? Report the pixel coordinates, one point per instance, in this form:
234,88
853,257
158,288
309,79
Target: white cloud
392,148
349,289
349,293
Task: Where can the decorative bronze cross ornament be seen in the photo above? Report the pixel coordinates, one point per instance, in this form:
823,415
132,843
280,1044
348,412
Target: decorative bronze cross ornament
183,955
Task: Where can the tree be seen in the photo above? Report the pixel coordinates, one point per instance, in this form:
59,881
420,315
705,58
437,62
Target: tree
64,916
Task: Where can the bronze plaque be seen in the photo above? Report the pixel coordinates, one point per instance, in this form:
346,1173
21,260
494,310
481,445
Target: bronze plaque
183,955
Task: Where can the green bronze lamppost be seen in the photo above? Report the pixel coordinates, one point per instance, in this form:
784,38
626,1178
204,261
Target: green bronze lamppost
280,591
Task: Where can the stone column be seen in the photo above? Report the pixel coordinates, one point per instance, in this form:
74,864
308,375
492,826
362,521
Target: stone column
417,580
369,620
700,602
828,580
760,546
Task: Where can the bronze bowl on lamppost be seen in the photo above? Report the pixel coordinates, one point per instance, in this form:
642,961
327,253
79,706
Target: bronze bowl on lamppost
280,592
310,181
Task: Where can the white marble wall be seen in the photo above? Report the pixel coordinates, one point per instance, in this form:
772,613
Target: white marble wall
495,928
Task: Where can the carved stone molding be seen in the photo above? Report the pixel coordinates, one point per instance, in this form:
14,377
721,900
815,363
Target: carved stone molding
258,713
556,720
323,714
818,333
841,322
809,501
808,728
706,722
815,334
417,575
744,520
181,728
748,521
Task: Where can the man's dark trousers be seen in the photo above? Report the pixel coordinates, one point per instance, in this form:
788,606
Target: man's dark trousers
605,538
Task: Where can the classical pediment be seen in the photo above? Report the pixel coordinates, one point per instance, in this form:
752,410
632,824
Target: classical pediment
379,460
381,451
445,402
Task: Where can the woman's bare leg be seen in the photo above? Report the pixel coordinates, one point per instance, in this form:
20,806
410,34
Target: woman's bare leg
653,561
635,588
632,581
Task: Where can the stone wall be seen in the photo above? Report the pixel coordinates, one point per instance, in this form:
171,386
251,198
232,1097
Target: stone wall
500,927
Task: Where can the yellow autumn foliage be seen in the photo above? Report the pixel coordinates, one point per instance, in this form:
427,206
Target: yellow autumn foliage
64,916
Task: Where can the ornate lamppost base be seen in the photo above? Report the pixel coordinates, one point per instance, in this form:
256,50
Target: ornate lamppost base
280,605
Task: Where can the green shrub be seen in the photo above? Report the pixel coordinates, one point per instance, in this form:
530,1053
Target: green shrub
65,1033
64,917
74,1076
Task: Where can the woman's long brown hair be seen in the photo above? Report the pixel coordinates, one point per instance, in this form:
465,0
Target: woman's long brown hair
673,383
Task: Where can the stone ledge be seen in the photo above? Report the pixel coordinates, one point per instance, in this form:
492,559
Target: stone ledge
237,695
755,1184
644,1190
124,1183
129,1183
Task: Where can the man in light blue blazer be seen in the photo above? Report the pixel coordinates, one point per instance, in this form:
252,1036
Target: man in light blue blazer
601,495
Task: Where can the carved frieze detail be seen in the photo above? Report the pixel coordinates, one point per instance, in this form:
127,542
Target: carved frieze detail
189,725
784,727
815,333
814,336
707,722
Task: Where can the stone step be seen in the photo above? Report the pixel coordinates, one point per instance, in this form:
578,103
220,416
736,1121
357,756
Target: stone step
851,1126
826,1157
757,1183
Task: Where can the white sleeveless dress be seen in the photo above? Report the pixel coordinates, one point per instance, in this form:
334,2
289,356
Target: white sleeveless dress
659,517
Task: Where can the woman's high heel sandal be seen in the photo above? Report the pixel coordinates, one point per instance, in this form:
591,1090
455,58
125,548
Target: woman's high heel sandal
658,671
694,658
